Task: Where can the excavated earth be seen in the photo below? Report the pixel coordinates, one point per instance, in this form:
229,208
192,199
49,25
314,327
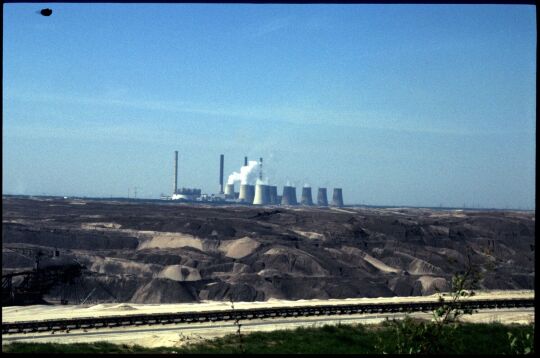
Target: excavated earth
149,252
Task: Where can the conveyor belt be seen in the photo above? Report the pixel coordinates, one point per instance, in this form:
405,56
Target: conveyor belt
247,314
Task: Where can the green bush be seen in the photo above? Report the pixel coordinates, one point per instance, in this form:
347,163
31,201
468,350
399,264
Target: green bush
406,336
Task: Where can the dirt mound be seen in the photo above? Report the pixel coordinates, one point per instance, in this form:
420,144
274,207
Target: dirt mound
378,264
161,290
237,292
239,248
180,273
171,241
116,266
421,267
120,307
292,261
165,252
431,284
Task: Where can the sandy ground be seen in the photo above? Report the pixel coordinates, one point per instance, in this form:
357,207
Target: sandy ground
239,248
43,312
309,234
375,262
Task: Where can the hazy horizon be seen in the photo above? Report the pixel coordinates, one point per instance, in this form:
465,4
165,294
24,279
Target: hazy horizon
398,105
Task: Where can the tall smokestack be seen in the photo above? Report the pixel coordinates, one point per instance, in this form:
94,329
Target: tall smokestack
289,196
175,172
245,161
262,195
306,196
273,197
321,197
337,197
260,171
221,160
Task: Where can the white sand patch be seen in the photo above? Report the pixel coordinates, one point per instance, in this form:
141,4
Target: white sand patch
309,234
120,307
269,273
180,273
15,221
275,251
104,225
240,268
42,312
150,238
77,203
343,210
448,214
109,265
171,240
378,264
239,248
430,283
505,317
421,267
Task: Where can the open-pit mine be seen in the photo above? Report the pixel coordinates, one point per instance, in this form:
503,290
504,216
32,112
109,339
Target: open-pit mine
96,251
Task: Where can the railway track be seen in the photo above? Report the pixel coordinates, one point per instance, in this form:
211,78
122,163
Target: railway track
247,314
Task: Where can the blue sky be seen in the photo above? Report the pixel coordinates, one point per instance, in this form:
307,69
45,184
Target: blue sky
420,105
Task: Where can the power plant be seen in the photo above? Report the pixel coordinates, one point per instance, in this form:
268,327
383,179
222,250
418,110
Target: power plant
337,198
175,186
273,197
247,193
221,160
229,191
289,196
306,196
253,189
322,199
262,195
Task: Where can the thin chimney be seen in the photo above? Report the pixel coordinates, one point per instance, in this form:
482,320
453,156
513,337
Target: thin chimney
175,172
221,160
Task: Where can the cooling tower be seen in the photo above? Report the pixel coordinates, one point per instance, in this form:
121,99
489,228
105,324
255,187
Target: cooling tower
175,186
229,191
262,195
221,160
273,197
247,193
321,197
306,197
289,196
337,197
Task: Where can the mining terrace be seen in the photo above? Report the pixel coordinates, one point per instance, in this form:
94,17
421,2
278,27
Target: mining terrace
142,252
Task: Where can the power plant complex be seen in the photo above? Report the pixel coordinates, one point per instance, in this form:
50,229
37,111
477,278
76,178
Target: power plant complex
252,189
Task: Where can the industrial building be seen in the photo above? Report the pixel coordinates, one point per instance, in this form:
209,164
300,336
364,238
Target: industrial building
252,190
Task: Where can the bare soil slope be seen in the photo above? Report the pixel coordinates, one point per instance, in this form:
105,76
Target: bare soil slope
167,253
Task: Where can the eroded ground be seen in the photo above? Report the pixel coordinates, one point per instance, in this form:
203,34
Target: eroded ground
163,253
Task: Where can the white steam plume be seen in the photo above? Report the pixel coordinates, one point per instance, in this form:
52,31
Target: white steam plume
248,174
